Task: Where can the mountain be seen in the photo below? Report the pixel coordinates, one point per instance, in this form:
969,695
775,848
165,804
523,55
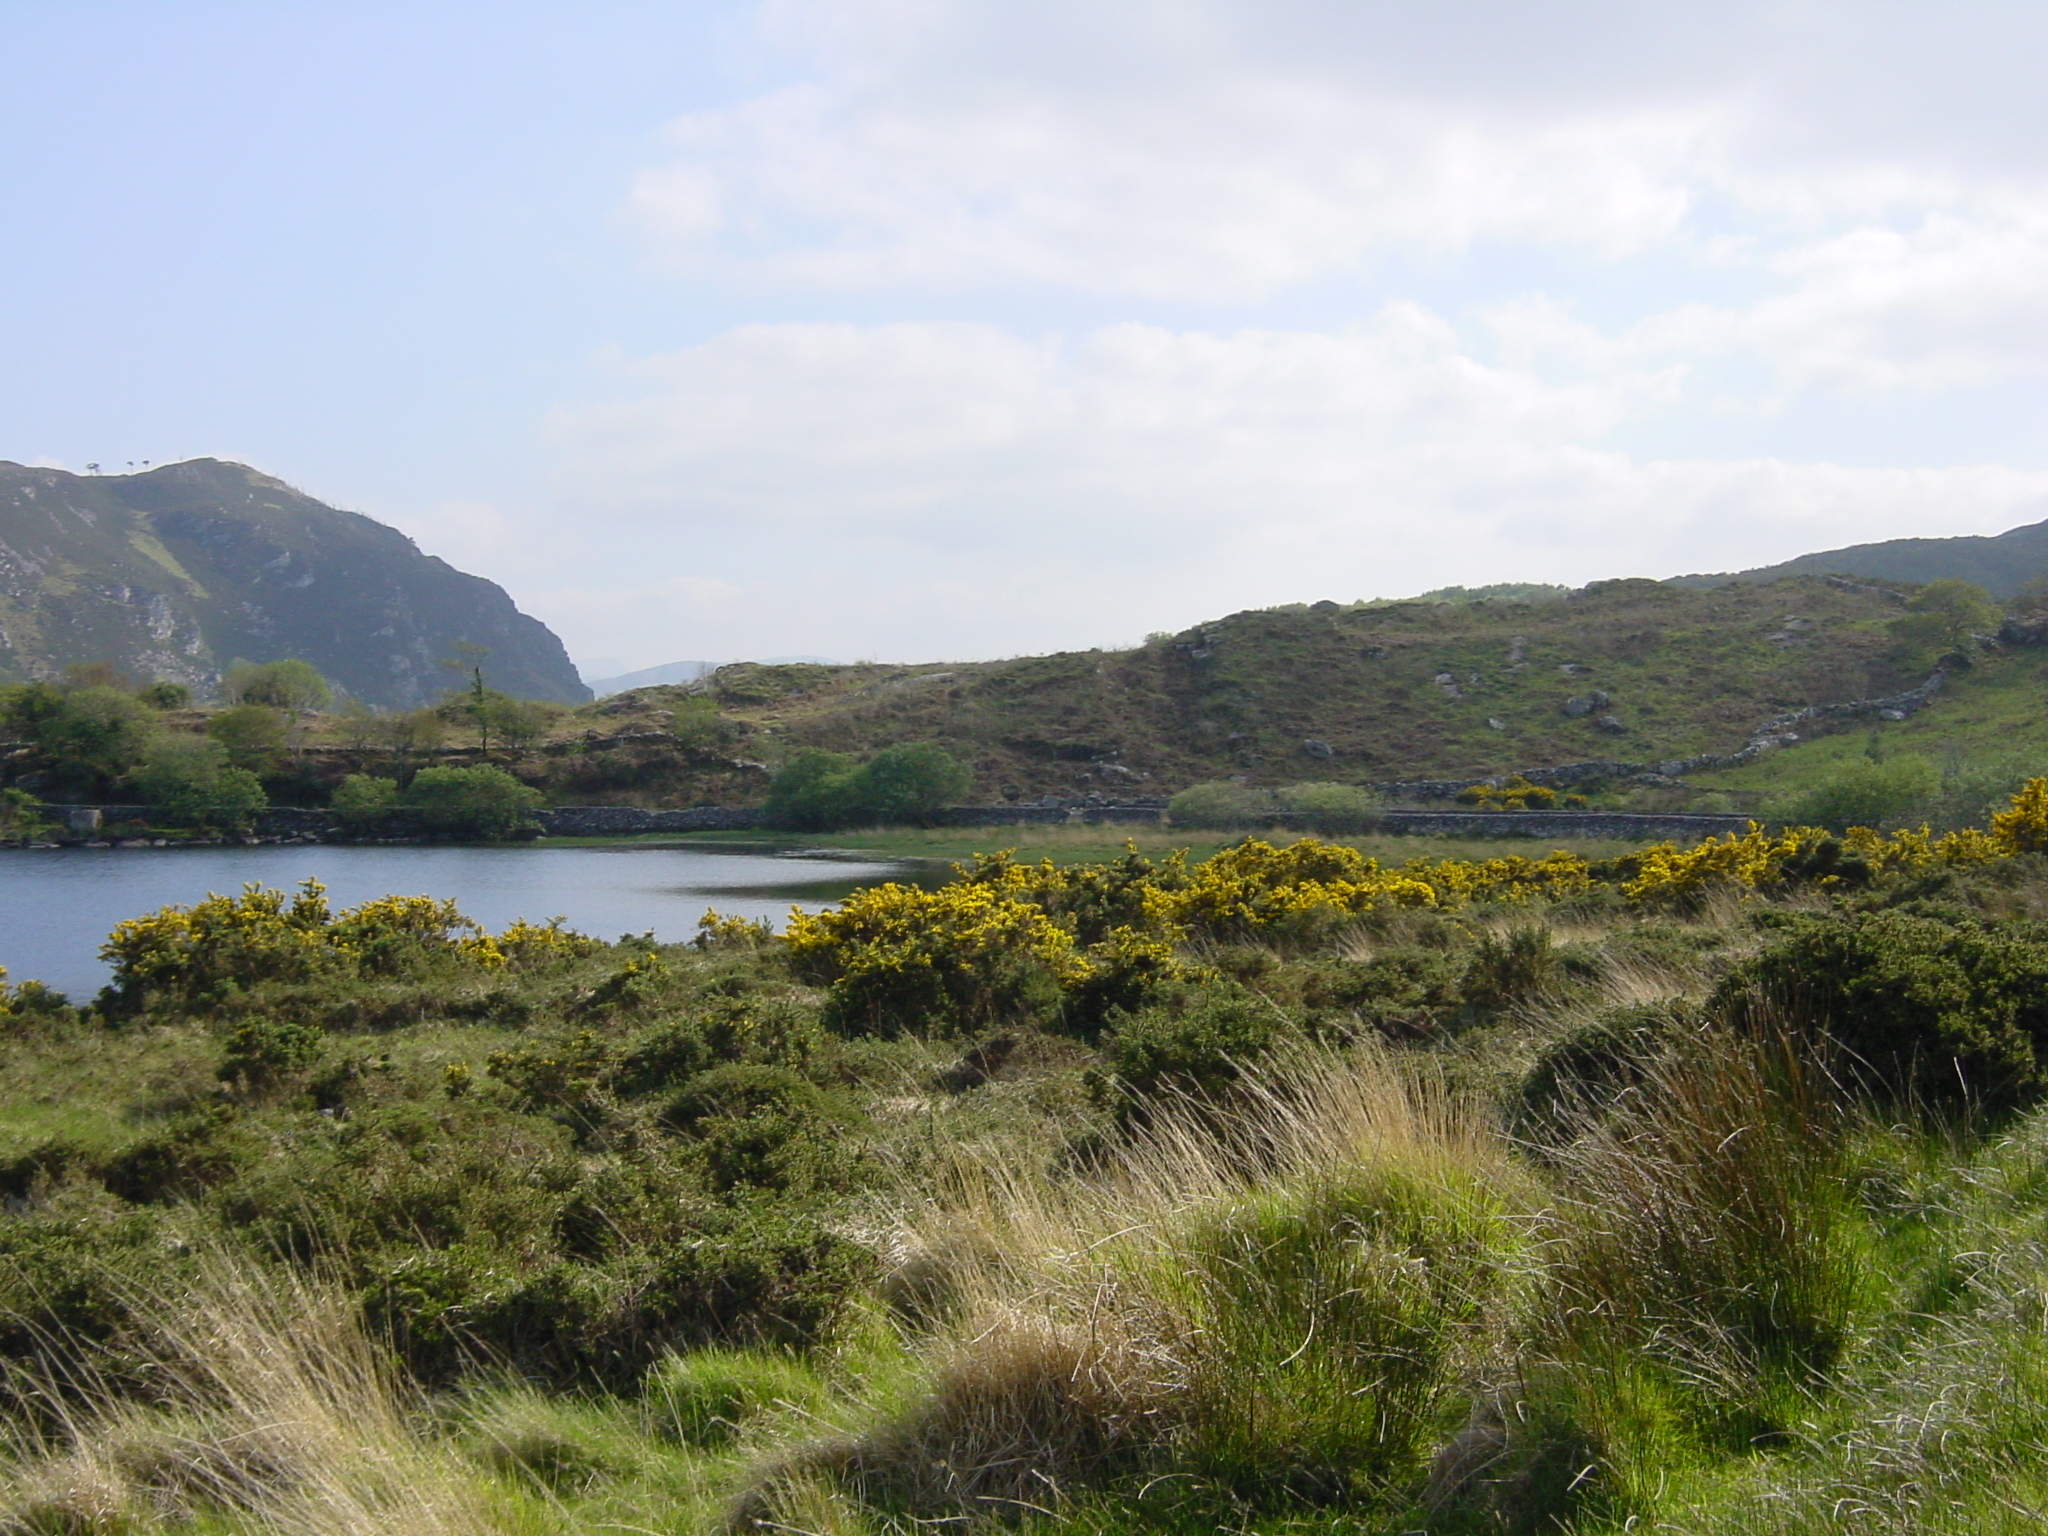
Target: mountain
180,571
2000,564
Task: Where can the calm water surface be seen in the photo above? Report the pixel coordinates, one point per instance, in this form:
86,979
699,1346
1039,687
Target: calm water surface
58,905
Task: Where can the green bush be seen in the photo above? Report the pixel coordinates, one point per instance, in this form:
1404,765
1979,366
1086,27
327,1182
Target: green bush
190,781
252,734
1334,1326
264,1053
1334,810
816,791
1219,806
1519,966
481,804
291,684
362,798
1864,794
1192,1048
1922,1010
1582,1073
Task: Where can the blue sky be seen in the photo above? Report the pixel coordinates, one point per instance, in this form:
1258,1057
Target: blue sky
930,329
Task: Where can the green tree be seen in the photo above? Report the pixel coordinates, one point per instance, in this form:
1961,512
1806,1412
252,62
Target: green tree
817,790
191,780
290,684
811,792
1941,617
96,736
25,709
481,803
907,783
252,734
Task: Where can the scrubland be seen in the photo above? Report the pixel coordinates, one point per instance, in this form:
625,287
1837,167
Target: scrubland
1692,1189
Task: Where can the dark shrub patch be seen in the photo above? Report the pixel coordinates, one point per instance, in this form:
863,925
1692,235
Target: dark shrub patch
1922,1010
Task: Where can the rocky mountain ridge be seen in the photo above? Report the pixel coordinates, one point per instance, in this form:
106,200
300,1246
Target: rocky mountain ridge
179,571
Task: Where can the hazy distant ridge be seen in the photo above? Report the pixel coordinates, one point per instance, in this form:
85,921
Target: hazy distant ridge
2001,564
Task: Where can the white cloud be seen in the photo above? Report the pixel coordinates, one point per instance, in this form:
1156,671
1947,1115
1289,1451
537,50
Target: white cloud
1620,214
951,489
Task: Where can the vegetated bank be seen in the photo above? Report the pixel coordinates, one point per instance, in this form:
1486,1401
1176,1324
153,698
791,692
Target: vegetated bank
1628,697
1280,1190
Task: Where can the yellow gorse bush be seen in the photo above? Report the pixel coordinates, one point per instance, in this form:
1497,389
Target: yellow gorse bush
266,935
2023,826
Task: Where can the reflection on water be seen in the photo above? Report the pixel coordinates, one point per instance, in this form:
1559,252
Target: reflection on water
58,905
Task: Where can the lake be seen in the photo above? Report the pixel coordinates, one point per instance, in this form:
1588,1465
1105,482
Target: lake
58,905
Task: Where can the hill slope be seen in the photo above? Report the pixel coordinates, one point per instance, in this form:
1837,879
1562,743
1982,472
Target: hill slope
2001,564
1631,670
179,571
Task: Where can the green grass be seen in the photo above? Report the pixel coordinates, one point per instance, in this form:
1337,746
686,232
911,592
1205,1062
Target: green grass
1989,722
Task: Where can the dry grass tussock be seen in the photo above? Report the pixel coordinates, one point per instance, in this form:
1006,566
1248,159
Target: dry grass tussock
270,1406
1288,1291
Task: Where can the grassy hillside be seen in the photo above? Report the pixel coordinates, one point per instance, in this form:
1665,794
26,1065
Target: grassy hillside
1374,692
179,571
1697,1190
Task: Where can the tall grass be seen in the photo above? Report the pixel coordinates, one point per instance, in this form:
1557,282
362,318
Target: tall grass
1705,1266
1281,1301
269,1406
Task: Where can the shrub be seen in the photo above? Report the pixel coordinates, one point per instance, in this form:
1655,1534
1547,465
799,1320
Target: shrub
163,694
1519,966
1332,809
1220,806
1334,1326
964,957
264,1053
361,798
811,792
2022,827
21,816
482,803
1707,1264
1582,1073
291,684
1866,794
817,790
188,779
253,736
1194,1048
1922,1010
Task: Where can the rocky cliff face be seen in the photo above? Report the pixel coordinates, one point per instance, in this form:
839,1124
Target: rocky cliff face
178,572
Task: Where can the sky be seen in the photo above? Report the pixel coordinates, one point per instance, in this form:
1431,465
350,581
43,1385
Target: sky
946,329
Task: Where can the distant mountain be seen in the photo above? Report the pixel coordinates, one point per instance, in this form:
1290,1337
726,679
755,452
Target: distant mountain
180,571
680,672
2000,564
